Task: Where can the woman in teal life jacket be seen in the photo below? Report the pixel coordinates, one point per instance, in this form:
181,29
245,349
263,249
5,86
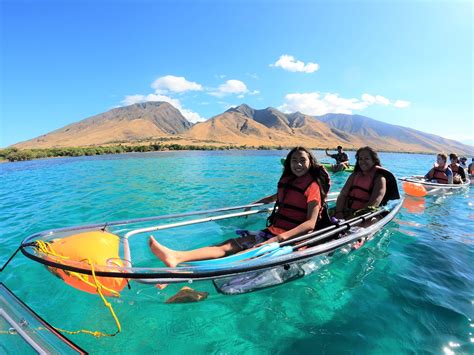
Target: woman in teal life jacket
301,194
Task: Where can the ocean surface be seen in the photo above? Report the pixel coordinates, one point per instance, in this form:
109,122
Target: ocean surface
409,290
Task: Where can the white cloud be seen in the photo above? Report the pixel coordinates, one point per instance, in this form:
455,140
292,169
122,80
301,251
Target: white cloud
230,87
315,104
191,116
171,83
377,99
401,104
382,100
288,62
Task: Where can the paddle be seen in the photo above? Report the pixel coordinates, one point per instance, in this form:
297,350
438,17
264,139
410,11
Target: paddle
286,248
272,248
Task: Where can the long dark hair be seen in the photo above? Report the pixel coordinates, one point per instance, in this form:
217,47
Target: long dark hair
317,171
373,155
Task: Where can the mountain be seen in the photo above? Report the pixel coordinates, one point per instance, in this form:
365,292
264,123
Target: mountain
393,135
124,124
245,125
242,125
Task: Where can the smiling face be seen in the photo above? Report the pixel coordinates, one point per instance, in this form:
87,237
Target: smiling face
365,161
299,163
440,160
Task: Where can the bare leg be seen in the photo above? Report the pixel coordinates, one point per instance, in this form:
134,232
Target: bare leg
173,257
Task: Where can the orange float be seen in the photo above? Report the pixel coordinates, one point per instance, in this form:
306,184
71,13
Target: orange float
96,247
414,189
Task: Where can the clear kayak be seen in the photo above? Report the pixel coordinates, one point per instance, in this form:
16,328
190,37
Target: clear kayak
418,186
85,255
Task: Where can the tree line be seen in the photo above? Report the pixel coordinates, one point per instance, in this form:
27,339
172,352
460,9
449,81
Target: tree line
15,154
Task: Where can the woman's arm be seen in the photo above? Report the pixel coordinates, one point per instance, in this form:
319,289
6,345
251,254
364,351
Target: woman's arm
462,173
428,174
267,199
380,187
450,175
341,199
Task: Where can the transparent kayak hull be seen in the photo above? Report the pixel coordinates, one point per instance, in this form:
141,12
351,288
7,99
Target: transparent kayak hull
418,186
293,262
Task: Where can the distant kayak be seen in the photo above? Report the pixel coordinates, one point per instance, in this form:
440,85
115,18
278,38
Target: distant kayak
328,167
418,186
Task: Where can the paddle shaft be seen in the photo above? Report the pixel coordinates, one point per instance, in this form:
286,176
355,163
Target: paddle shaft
324,230
339,228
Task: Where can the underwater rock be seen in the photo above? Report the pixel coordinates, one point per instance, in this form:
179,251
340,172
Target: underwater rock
187,295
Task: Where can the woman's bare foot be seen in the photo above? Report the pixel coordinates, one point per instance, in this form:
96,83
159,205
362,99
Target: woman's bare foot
163,253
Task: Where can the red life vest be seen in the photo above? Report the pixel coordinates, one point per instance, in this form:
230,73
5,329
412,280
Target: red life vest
454,167
439,174
291,208
363,185
361,189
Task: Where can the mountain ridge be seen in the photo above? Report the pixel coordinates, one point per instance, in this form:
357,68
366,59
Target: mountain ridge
242,125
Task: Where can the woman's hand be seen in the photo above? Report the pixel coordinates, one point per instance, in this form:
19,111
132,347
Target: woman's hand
339,215
271,240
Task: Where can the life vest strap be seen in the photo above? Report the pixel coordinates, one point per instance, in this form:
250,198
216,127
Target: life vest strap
291,207
288,219
292,187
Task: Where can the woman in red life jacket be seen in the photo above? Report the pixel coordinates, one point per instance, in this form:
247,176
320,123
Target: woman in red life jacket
369,185
302,190
441,173
459,175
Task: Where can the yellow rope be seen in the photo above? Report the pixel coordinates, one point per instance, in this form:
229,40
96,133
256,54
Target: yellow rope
46,248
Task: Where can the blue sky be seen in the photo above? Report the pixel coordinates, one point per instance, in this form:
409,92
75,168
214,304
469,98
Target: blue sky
402,62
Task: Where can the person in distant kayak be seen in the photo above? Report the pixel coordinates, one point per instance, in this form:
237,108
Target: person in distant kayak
470,168
459,175
368,186
441,173
299,209
342,160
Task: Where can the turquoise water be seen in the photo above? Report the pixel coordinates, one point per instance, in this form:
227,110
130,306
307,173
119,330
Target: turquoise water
410,290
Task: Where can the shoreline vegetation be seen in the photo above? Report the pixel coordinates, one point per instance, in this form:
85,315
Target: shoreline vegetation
15,154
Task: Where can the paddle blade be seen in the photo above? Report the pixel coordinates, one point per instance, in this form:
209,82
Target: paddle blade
414,189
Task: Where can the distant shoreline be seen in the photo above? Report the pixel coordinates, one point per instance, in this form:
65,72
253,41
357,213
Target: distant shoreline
14,154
